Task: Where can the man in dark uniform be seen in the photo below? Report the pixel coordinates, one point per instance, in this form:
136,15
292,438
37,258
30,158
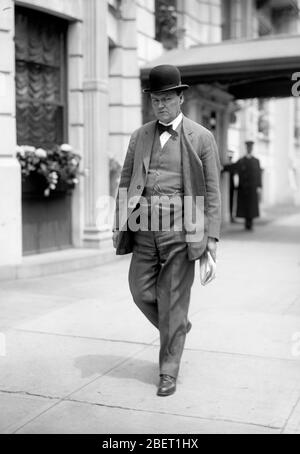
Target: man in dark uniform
250,184
176,159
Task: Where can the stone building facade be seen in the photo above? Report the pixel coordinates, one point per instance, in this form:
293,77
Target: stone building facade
106,43
272,123
85,123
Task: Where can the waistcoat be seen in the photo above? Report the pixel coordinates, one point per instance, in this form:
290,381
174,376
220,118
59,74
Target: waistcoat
164,179
165,169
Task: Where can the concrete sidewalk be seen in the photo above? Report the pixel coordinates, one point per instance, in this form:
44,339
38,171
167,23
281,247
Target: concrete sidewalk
80,358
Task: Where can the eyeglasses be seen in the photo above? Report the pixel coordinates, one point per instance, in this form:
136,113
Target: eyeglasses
166,100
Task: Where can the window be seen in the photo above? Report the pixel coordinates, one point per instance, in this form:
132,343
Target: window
166,23
226,19
264,17
40,79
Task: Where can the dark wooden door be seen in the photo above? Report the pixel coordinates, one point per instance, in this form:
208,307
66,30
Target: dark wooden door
41,112
46,224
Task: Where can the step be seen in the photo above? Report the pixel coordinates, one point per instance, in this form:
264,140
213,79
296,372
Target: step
58,262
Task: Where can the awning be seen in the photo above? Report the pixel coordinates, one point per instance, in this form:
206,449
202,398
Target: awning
246,69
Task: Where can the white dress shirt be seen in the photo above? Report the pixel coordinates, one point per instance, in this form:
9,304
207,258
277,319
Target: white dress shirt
175,123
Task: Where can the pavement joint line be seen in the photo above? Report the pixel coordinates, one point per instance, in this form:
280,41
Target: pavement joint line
28,394
292,407
290,415
243,355
153,344
172,414
29,421
96,404
68,396
101,339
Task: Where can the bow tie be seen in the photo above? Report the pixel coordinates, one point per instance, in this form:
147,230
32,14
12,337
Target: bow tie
162,128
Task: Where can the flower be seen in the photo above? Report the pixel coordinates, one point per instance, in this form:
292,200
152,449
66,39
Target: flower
40,153
28,149
54,175
56,165
20,151
66,148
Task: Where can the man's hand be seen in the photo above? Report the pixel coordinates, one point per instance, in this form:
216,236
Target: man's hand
115,239
212,247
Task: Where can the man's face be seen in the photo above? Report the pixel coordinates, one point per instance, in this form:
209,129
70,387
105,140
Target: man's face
167,105
249,147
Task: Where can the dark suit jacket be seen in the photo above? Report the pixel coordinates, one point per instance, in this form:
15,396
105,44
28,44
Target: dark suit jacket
201,177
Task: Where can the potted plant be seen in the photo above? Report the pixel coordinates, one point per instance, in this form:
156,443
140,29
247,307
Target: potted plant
47,172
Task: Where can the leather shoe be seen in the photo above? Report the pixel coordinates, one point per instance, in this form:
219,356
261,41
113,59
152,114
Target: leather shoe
167,386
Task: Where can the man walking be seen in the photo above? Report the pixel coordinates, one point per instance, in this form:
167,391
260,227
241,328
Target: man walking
250,185
175,159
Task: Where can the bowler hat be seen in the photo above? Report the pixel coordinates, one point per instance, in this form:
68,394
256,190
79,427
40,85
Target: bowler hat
165,78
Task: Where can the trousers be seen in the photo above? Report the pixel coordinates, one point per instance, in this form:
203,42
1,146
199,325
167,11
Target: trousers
160,281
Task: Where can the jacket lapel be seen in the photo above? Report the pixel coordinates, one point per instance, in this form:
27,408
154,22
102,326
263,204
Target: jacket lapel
194,182
187,130
148,138
147,144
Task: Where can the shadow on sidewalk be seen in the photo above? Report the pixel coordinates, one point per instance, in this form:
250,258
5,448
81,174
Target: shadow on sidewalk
128,368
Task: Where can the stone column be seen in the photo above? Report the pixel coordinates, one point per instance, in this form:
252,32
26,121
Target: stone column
95,88
125,86
249,8
76,120
10,173
283,149
242,20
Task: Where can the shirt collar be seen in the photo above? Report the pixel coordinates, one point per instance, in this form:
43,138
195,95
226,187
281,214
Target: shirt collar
175,123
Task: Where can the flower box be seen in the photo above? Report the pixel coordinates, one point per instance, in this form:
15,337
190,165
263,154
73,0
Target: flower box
48,173
35,185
